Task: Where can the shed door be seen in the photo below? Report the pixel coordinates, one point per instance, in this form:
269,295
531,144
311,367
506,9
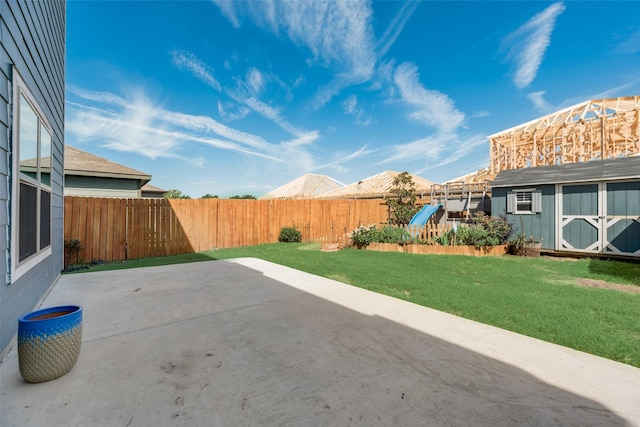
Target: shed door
623,218
580,218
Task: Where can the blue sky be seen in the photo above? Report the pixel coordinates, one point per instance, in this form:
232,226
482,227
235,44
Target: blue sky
234,98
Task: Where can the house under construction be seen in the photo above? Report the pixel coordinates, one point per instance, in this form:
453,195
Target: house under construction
592,130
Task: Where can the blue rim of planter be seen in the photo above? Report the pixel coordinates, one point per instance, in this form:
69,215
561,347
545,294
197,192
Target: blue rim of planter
71,318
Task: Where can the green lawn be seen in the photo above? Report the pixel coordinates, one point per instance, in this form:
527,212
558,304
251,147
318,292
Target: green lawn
539,297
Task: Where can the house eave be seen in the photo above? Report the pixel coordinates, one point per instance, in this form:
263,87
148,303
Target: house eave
143,178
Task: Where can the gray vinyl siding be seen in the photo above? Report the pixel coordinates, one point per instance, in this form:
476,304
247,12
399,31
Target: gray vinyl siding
32,39
538,225
87,186
72,181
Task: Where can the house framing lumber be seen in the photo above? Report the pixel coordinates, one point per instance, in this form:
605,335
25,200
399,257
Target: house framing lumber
596,129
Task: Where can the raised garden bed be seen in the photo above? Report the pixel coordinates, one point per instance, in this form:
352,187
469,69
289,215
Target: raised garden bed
440,250
529,249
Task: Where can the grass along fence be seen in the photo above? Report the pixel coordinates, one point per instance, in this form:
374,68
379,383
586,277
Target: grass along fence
121,229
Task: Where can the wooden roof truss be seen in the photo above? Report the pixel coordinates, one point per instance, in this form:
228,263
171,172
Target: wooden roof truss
596,129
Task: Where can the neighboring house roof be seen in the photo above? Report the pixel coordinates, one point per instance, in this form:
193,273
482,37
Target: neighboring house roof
479,176
81,163
377,186
305,187
149,190
595,170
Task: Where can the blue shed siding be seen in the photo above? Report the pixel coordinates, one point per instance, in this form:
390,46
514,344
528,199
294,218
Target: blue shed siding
540,225
580,200
623,200
32,39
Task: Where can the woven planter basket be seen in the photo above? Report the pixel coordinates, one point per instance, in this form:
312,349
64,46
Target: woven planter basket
49,342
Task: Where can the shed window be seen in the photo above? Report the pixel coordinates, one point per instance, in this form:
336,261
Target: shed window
31,176
524,201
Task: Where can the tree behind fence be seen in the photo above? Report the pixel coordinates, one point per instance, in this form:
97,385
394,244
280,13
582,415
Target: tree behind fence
121,229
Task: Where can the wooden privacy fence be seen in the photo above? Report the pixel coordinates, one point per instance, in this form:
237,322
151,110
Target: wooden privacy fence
120,229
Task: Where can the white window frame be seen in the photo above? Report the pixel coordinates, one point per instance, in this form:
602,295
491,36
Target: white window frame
524,201
19,268
533,202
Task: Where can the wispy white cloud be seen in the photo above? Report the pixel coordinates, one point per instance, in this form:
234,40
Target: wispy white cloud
430,107
271,113
101,97
395,28
136,124
463,148
351,107
336,33
228,10
231,111
300,81
187,61
620,90
255,80
429,148
528,44
629,43
480,114
245,93
338,163
539,103
436,151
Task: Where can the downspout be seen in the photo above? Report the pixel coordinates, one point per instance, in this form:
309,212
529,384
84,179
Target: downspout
8,182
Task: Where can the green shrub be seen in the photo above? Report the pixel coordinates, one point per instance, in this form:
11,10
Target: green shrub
482,231
394,235
478,236
498,228
363,236
447,238
289,234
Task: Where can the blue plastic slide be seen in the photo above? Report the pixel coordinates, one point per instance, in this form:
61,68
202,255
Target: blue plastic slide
421,218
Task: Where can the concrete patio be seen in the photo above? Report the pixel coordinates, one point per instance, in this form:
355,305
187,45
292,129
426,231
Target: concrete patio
250,343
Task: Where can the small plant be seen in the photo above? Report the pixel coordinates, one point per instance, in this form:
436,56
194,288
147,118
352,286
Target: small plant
483,231
444,240
71,249
521,240
364,236
394,235
289,234
498,228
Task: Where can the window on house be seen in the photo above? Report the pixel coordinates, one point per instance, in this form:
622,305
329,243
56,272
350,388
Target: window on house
524,201
31,177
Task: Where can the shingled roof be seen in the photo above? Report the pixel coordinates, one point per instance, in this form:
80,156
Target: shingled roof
308,186
78,162
376,186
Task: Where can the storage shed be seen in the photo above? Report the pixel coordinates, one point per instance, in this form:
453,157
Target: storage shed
591,207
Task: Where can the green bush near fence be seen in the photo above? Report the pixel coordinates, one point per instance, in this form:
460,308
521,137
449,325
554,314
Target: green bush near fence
289,235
